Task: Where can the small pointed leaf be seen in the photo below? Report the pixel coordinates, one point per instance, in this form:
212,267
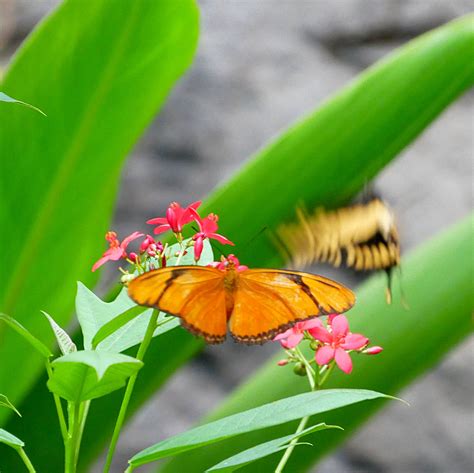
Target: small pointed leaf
66,345
7,98
5,402
32,340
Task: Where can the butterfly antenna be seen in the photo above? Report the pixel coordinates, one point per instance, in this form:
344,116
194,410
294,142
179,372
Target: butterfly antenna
280,245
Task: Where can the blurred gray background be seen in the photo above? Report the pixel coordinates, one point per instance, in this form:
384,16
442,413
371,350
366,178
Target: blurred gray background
261,65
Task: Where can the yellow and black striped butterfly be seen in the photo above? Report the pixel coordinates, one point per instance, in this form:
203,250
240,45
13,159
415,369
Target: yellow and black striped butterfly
361,236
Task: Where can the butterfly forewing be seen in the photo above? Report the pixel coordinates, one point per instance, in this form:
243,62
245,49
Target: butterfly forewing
195,294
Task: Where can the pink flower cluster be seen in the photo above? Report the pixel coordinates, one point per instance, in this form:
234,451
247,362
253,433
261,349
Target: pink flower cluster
175,220
333,342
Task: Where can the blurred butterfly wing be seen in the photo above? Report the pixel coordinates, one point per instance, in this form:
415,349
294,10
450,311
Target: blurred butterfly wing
195,294
267,302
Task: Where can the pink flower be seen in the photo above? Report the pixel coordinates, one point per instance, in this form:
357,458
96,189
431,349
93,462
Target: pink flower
116,249
149,240
294,335
373,350
176,218
207,229
336,341
224,263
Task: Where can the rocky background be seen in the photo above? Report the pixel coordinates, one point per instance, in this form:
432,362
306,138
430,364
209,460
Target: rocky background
261,65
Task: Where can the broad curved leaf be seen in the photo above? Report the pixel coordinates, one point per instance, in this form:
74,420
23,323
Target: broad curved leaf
84,375
100,75
275,413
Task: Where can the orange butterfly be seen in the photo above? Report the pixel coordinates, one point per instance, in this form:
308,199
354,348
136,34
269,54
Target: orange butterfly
256,303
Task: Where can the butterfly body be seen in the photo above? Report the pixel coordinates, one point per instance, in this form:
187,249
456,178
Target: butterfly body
256,304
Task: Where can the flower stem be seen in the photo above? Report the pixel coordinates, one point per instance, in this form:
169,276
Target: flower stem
26,460
71,442
315,381
59,408
129,390
291,446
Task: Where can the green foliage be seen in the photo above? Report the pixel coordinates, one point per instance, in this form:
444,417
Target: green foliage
265,449
38,345
5,402
100,76
87,374
66,345
275,413
437,283
6,98
9,439
93,314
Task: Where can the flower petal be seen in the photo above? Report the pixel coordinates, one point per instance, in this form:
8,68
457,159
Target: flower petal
293,339
283,335
154,221
126,241
340,326
100,262
343,360
161,229
324,355
198,246
354,341
310,324
321,334
220,239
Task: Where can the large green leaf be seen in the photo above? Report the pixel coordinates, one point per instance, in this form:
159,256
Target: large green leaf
413,340
9,439
100,74
274,413
86,374
323,160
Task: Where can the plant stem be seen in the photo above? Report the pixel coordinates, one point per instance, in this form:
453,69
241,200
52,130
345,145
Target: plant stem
129,390
71,443
315,381
26,460
59,407
291,446
83,411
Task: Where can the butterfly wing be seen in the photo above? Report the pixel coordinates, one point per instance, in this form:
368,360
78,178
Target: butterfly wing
267,302
195,294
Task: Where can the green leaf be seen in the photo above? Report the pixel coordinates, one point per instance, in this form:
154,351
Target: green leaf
10,440
39,346
440,316
265,449
66,345
5,402
85,375
6,98
106,75
275,413
116,323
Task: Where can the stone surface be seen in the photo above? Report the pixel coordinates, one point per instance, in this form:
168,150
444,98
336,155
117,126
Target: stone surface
260,66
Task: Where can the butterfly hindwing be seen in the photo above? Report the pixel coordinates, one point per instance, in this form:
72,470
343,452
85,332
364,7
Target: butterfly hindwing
267,302
195,294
